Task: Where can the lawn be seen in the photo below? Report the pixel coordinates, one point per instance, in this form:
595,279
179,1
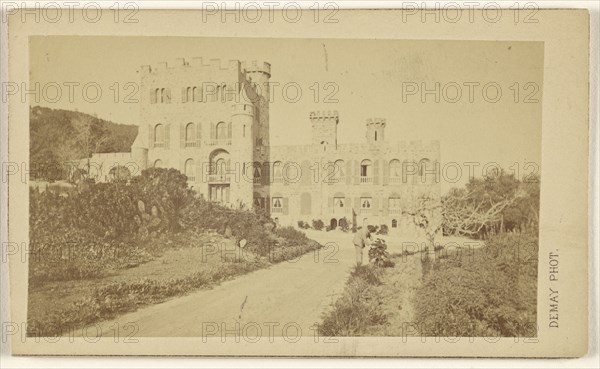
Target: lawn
187,263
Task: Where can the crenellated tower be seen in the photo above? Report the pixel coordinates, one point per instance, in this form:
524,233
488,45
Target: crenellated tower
375,130
324,128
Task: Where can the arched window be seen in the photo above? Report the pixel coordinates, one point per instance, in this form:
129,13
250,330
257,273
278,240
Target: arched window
257,172
163,95
189,170
366,171
196,94
375,135
277,172
221,131
423,164
190,135
188,94
159,135
221,166
158,163
156,95
394,223
395,168
395,171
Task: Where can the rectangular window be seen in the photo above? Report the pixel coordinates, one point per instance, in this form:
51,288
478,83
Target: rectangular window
277,205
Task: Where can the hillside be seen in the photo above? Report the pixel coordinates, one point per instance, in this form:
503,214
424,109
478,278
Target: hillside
52,135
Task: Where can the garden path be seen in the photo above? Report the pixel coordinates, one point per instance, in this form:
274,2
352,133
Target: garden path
285,299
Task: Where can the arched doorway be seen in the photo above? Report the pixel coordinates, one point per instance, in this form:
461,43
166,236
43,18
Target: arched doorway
218,187
333,223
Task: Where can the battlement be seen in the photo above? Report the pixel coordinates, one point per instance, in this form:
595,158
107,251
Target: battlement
316,116
247,109
257,66
195,62
376,122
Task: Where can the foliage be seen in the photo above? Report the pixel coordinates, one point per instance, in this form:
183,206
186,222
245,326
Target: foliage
108,301
378,254
52,144
303,225
166,189
383,230
358,308
278,245
318,224
344,224
493,204
490,293
147,222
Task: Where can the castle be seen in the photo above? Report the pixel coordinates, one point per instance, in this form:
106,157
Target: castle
225,152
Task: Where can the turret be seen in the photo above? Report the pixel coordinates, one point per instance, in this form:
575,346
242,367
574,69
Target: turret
375,130
324,128
259,73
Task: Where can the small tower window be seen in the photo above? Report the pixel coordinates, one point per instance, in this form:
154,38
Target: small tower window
375,135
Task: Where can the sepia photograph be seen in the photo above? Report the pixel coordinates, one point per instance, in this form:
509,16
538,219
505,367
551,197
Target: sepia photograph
272,180
350,184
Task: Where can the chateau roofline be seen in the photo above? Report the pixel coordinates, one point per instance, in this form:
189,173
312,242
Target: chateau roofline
251,66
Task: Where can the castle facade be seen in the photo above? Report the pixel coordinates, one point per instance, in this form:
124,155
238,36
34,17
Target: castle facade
217,134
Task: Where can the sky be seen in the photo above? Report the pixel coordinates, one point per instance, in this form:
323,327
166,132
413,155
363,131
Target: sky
361,79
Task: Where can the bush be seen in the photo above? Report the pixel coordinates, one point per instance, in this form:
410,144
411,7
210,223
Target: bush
383,230
378,254
358,308
496,296
85,233
303,225
344,225
318,224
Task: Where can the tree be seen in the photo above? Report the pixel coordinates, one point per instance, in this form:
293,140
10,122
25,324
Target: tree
484,204
427,215
88,136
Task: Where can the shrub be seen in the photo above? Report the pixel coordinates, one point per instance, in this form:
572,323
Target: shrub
378,254
496,296
328,228
383,229
344,225
303,225
291,235
318,224
358,308
167,190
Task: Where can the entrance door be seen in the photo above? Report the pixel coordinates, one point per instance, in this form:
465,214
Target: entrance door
333,224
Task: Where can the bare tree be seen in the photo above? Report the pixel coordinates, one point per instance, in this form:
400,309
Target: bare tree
88,136
459,213
466,215
427,215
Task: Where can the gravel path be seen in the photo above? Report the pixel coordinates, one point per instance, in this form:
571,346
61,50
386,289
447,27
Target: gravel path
286,299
